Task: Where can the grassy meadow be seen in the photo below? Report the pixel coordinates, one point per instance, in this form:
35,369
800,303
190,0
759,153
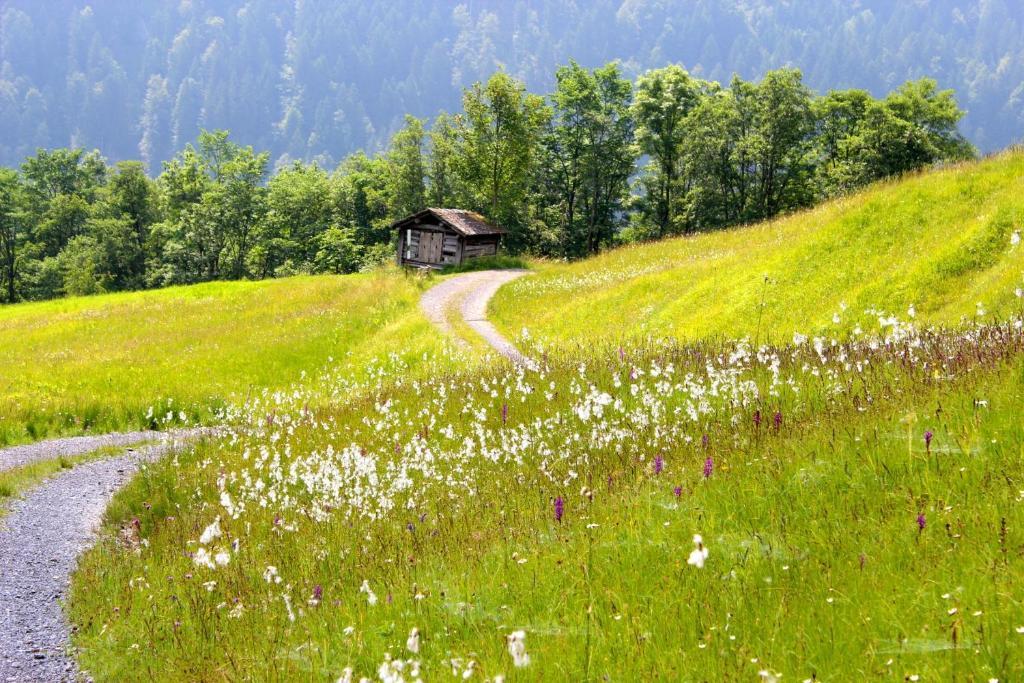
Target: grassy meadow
861,505
789,450
99,364
940,241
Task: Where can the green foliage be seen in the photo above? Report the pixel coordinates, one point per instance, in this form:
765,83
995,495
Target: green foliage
553,171
497,154
588,155
664,99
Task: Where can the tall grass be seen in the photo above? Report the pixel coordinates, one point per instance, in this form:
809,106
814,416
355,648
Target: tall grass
561,502
100,363
940,241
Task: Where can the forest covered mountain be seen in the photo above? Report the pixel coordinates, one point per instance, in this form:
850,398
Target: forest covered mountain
317,79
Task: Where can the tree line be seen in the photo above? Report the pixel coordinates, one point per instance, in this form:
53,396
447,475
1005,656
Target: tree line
599,160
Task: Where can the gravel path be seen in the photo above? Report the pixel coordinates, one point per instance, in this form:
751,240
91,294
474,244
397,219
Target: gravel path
472,291
16,456
40,539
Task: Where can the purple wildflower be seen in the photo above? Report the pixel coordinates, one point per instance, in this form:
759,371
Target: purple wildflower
928,440
678,491
659,464
709,467
920,522
778,419
318,592
704,441
559,509
504,413
757,419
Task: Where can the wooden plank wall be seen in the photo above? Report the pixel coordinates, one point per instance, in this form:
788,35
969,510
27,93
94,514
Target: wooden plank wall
477,250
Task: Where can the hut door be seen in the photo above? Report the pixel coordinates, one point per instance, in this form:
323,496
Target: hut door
430,247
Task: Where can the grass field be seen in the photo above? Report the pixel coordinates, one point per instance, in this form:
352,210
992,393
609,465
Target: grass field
862,506
100,363
940,241
857,483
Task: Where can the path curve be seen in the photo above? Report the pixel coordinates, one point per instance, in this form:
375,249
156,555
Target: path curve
472,292
16,456
41,537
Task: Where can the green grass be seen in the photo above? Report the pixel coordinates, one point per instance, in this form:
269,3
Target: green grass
938,240
98,364
439,494
16,481
436,482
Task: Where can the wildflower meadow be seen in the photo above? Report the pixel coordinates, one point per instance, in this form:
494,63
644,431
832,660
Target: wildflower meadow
841,507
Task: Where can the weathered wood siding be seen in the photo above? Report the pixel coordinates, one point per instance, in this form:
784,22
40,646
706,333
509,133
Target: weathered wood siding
428,241
478,249
430,245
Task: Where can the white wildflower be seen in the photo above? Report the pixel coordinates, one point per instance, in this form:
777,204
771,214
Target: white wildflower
699,554
288,606
517,648
210,533
1015,238
413,643
222,558
271,575
371,597
203,559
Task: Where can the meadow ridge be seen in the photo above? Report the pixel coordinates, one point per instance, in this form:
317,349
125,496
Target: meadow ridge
941,241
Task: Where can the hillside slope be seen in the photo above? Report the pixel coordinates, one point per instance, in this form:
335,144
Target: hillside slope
941,241
96,364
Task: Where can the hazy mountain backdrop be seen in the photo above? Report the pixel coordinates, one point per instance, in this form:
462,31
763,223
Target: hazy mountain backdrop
320,78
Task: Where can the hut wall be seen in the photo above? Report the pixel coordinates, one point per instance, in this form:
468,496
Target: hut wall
430,245
477,249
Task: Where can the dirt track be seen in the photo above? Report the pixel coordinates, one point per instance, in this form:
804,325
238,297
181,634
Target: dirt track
472,292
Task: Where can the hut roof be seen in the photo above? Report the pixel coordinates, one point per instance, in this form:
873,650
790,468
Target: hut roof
466,223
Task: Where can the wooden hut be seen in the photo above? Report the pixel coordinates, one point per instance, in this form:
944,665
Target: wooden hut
436,238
